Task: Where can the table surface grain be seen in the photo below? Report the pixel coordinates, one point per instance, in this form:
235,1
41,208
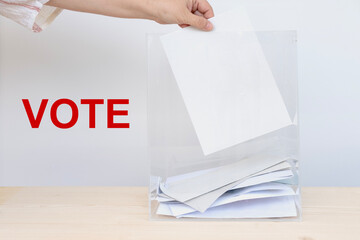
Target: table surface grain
107,213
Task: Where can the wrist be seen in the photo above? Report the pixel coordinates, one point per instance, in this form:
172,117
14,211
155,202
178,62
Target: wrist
128,8
143,9
148,9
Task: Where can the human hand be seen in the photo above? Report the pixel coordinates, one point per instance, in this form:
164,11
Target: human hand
182,12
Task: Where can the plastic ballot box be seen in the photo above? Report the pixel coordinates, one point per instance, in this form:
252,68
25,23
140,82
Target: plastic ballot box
222,124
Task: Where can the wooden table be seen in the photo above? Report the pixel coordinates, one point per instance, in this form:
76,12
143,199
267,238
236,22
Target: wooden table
104,213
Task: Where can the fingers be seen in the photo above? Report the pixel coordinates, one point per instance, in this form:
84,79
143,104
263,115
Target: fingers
199,22
201,13
198,13
205,9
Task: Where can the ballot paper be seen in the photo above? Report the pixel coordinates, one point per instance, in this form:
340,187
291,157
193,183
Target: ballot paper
258,208
198,192
201,189
264,178
228,88
173,179
255,192
254,180
187,189
272,207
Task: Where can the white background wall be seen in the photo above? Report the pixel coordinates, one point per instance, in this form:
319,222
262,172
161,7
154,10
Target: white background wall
88,56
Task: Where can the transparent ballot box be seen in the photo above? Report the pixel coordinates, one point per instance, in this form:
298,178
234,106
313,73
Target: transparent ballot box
223,126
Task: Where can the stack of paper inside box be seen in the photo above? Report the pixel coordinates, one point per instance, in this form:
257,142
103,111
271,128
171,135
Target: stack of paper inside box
246,189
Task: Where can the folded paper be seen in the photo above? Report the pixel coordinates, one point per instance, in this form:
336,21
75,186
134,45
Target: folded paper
226,83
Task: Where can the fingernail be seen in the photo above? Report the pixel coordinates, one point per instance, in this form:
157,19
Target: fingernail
208,26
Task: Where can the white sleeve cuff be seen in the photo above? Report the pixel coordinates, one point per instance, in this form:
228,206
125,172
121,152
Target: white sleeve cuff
32,14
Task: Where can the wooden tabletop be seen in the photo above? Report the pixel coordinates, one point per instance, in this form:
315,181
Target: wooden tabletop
107,213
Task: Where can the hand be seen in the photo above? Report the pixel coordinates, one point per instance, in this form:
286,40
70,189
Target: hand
182,12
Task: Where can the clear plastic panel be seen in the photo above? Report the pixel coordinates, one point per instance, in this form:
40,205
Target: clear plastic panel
254,179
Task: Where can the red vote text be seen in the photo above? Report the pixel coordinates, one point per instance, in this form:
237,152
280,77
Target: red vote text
36,117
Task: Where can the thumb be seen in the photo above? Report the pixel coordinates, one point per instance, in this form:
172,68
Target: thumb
199,22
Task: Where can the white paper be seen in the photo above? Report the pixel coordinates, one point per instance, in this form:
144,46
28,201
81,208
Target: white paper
254,192
164,209
187,189
226,83
203,177
264,190
280,166
202,191
257,208
254,180
264,178
173,179
203,202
